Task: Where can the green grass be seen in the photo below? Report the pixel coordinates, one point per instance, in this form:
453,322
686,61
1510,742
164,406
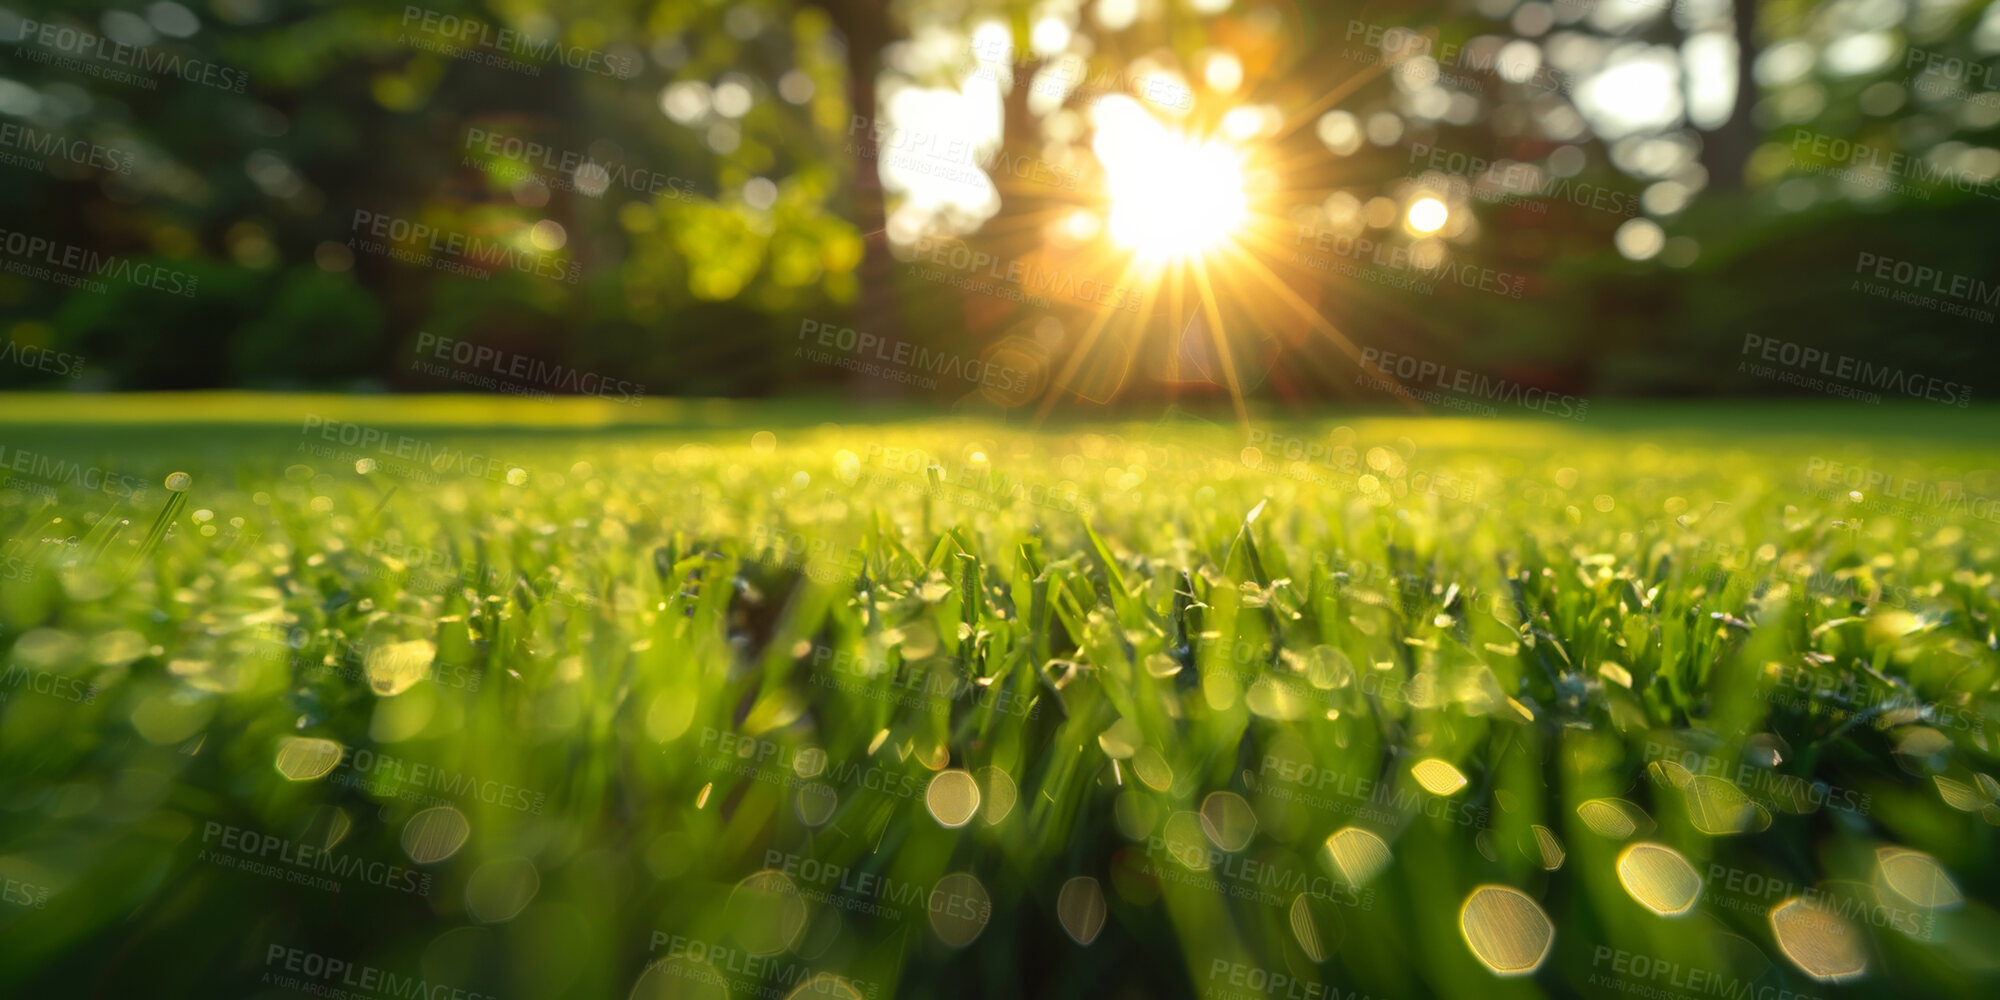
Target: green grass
673,702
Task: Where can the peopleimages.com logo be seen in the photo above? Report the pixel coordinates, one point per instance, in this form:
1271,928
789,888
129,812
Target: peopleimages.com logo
93,55
1803,359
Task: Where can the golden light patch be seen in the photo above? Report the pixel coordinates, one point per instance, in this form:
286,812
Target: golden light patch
1357,854
679,978
1959,795
959,908
1438,777
1152,768
765,913
953,797
825,984
1080,907
1719,808
1821,944
394,667
1120,739
501,888
997,794
1549,847
816,802
304,758
1507,931
1272,700
1615,818
1667,774
1917,877
1185,840
1658,878
1228,821
1314,931
326,827
435,834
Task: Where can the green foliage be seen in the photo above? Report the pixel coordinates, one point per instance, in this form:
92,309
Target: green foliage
658,680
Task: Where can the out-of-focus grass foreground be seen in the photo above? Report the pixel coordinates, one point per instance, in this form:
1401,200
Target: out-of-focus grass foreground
341,698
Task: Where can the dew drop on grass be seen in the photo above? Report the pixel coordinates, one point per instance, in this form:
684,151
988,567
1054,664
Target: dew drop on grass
179,482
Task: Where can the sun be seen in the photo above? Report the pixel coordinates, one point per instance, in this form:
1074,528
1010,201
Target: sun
1172,196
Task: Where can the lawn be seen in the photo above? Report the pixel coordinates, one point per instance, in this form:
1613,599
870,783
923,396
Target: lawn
462,699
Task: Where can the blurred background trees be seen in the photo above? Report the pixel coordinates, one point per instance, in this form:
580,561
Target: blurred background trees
720,172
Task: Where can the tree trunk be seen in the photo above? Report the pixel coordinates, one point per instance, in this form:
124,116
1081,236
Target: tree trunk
1726,150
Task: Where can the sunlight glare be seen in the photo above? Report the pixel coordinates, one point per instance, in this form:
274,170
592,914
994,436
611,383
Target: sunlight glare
1171,195
1428,215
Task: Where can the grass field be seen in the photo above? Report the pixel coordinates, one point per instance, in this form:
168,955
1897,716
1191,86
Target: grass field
710,700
